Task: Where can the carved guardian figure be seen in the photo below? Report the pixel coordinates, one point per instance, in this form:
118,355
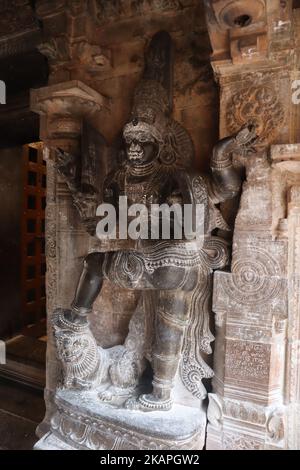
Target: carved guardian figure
170,329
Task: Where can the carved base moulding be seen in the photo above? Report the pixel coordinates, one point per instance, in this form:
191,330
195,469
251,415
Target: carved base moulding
83,422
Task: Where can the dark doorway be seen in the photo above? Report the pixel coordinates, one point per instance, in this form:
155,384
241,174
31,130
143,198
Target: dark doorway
23,267
22,228
33,260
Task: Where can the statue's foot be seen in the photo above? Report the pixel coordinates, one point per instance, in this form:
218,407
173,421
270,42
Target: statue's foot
148,403
115,394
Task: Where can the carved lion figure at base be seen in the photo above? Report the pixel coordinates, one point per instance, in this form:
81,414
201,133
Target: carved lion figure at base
85,364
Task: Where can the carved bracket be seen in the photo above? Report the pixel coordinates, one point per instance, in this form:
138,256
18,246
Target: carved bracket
62,108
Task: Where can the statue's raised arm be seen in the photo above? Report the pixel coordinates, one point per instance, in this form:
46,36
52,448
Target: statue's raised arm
84,175
226,181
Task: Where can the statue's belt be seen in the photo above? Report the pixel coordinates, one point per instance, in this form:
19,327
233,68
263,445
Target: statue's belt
213,254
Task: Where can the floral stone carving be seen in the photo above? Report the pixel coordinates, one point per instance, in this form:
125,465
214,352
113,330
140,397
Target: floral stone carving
260,106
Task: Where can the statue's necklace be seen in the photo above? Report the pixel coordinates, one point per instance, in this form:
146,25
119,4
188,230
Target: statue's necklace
141,191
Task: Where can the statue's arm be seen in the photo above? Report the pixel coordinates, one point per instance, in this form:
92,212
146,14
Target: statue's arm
85,202
67,166
226,181
109,195
111,188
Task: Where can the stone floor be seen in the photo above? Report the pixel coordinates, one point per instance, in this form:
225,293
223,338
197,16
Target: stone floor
21,410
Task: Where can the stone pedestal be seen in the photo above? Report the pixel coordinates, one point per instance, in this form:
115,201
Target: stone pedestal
84,423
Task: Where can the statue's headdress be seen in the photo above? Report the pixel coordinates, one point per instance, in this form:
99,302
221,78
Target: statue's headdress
152,106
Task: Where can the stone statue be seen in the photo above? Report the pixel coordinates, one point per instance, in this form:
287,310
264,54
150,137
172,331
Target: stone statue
169,333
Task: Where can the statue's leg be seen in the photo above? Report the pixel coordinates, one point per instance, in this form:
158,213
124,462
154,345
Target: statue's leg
89,286
172,316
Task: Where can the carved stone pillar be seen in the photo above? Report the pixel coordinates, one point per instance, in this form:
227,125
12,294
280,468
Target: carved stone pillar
62,108
255,404
251,316
255,304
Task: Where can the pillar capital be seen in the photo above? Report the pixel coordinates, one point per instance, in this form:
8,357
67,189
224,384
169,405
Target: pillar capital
62,107
72,98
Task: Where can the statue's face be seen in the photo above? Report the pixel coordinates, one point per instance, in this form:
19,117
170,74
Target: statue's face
141,147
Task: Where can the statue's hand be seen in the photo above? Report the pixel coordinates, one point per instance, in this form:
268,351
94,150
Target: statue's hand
246,138
64,158
86,204
66,164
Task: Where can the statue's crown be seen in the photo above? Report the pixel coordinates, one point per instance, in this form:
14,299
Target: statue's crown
150,99
151,110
